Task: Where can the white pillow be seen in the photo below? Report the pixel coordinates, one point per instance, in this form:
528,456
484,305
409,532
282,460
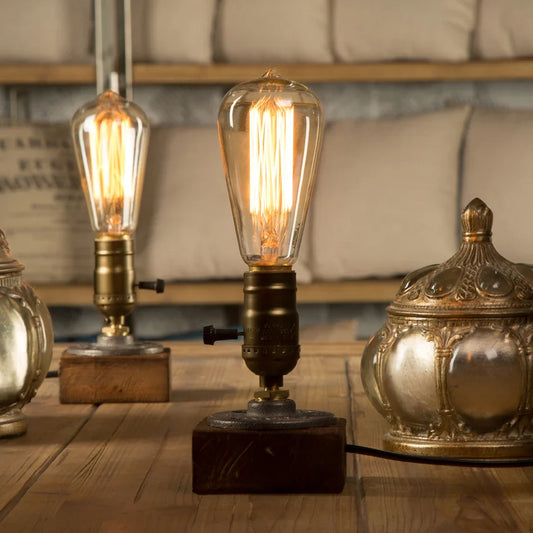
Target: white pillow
386,195
504,29
186,229
45,31
499,169
173,31
384,30
42,208
274,31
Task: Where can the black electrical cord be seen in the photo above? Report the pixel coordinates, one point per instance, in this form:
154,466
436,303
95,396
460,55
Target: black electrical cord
437,460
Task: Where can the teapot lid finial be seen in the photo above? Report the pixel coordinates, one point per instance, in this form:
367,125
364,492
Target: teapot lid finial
476,221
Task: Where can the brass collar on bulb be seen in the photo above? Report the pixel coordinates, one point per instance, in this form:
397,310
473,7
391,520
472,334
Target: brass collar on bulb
270,268
271,346
114,281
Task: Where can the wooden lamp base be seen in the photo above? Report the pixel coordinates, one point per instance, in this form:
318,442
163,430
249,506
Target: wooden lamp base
237,461
114,378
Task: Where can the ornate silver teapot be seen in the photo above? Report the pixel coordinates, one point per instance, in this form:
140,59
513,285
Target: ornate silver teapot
451,369
26,342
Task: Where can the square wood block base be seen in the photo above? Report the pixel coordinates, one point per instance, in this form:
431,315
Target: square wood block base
114,378
239,461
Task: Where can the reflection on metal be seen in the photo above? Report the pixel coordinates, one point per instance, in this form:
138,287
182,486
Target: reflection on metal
26,340
451,369
113,46
115,298
270,350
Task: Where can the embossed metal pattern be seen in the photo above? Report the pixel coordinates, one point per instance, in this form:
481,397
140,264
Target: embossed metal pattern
476,281
451,369
26,341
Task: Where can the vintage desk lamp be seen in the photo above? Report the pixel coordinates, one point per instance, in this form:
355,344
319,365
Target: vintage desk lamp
270,133
110,137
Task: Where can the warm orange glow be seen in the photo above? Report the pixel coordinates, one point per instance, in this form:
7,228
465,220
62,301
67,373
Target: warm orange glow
111,152
271,171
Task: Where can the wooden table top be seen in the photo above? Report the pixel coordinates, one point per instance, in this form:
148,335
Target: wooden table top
117,468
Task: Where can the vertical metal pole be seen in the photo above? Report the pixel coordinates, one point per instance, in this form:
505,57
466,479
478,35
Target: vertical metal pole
112,23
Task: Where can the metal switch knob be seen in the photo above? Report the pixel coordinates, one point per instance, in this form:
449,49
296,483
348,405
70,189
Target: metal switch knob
212,334
158,285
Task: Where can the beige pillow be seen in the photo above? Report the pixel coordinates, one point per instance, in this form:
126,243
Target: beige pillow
274,31
504,29
386,196
43,211
173,31
186,229
498,169
384,30
55,31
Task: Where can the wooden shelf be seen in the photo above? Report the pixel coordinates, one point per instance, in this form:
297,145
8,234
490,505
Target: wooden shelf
147,73
230,292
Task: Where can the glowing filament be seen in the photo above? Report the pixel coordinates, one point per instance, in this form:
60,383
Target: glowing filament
271,172
111,178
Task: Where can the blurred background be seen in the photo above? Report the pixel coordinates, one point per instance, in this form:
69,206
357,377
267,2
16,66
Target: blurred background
428,103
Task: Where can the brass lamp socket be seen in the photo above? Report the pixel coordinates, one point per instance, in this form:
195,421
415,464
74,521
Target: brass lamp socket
271,346
114,281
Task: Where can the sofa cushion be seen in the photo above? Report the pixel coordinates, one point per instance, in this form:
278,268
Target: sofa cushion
384,30
498,169
504,29
173,31
186,229
386,197
45,31
278,30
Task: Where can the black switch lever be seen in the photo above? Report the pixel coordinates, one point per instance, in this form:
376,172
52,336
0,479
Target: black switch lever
158,285
212,334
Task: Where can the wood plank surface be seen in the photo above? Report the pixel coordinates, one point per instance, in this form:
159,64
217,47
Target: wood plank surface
229,73
127,467
230,292
50,429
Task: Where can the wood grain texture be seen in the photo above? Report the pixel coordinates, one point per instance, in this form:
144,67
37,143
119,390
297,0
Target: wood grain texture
114,378
237,461
230,73
50,429
130,467
119,467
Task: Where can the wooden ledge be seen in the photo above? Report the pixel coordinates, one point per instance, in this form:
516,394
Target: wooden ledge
229,73
230,293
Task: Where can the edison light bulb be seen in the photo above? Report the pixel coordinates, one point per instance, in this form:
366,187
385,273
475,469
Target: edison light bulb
111,141
270,133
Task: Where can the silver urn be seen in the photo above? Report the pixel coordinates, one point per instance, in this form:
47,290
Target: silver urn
451,369
26,341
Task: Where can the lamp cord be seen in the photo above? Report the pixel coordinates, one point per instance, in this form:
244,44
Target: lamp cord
436,460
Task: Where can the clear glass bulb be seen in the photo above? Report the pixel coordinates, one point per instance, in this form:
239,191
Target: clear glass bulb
270,133
111,143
